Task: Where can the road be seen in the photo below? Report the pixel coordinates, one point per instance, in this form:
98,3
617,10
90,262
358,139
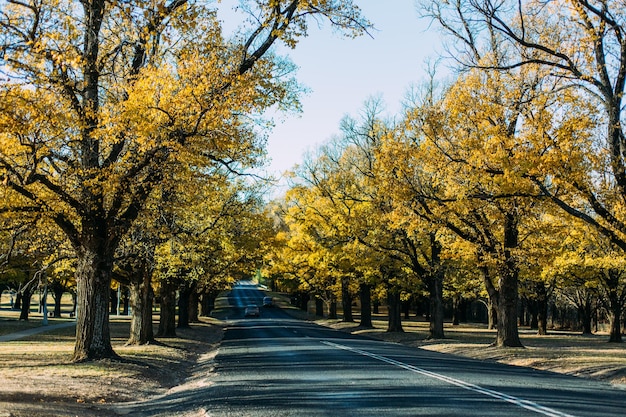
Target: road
277,366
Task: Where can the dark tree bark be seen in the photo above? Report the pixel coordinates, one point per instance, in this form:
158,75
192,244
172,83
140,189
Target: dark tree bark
17,305
346,301
57,293
406,309
167,318
125,301
435,327
456,309
74,303
141,300
194,302
460,306
435,290
332,308
542,309
93,273
616,327
492,294
319,307
585,313
463,309
184,294
207,303
26,293
114,302
533,311
615,303
365,294
394,323
507,330
303,301
492,313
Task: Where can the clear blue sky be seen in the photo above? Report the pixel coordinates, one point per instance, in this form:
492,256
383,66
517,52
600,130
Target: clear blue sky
342,73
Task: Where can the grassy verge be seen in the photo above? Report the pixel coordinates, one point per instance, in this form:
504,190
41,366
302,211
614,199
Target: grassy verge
39,380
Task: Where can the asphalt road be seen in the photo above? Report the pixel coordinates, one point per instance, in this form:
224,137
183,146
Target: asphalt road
276,366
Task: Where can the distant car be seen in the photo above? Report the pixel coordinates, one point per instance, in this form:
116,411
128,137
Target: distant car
268,302
252,310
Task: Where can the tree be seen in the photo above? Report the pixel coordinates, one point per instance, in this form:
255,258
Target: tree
589,267
102,94
466,157
580,46
575,282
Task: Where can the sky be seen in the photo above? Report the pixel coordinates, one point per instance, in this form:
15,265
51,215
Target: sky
342,73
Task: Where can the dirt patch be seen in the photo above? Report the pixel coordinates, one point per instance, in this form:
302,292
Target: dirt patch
39,380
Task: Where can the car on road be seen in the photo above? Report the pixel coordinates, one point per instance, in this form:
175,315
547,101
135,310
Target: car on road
268,302
252,310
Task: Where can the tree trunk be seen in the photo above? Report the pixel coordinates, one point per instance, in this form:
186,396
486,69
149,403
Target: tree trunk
113,301
616,327
394,323
615,317
542,309
167,317
27,294
207,303
141,301
125,302
332,307
365,293
303,301
616,305
533,310
456,309
492,293
492,313
194,302
57,293
18,300
346,301
507,330
406,309
319,307
463,306
435,291
184,303
93,276
585,312
74,303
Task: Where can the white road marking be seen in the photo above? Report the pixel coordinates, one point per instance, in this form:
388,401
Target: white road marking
529,405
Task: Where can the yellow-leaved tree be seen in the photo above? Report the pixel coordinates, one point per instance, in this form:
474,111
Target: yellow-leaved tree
97,96
580,45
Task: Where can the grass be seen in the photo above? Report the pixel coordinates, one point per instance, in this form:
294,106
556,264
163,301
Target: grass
38,378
